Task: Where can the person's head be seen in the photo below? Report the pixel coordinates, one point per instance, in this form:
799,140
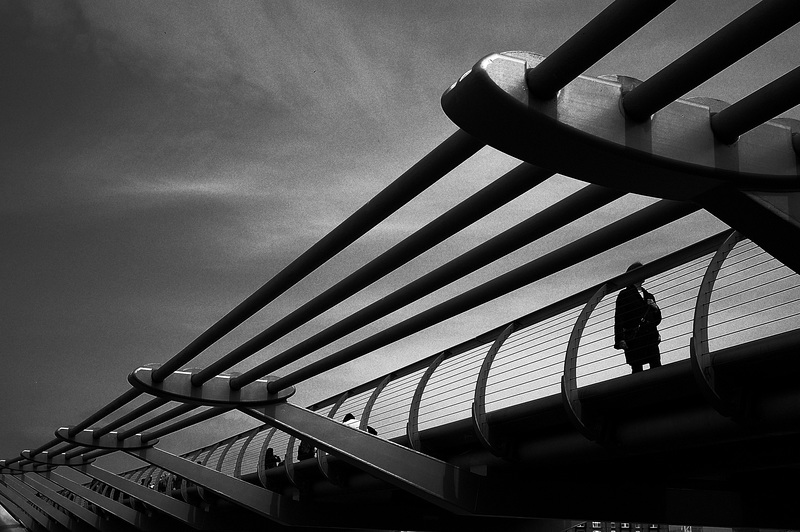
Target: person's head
634,266
348,417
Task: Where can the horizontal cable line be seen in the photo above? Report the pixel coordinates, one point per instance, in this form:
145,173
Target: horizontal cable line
731,267
529,391
543,344
585,364
729,274
760,311
595,372
496,369
531,343
673,280
430,420
440,392
753,276
739,331
750,289
533,358
458,371
512,355
434,391
731,270
535,376
551,322
541,336
530,352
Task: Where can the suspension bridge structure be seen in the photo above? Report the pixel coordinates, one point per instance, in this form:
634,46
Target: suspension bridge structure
493,433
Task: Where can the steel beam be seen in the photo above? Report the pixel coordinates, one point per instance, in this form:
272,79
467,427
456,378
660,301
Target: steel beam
602,34
503,190
31,512
764,104
50,490
632,226
259,500
114,508
111,407
440,161
51,511
19,514
537,226
764,21
185,513
442,484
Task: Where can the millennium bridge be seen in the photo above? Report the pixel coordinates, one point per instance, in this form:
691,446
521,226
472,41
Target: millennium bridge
534,425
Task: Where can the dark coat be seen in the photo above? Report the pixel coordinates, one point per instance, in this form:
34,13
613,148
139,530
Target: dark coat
636,322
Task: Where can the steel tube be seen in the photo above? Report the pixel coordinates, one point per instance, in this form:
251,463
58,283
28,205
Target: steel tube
120,401
188,422
755,109
444,158
508,187
157,420
630,227
755,27
48,445
131,416
602,34
582,202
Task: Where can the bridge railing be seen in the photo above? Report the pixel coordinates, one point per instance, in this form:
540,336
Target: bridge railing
753,296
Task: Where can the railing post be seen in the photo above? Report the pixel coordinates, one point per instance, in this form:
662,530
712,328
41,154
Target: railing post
702,363
237,469
364,423
322,456
412,427
479,422
570,395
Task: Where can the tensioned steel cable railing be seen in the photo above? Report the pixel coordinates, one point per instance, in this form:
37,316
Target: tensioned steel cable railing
773,296
678,278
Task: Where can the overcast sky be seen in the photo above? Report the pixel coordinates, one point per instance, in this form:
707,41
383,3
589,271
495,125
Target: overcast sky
160,161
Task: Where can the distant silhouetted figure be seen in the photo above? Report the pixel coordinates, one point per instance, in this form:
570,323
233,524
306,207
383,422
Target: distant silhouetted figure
270,460
635,325
305,451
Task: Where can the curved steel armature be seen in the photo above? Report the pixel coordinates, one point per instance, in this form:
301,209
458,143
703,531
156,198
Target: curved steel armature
479,421
412,427
59,459
216,392
702,363
674,155
569,380
86,438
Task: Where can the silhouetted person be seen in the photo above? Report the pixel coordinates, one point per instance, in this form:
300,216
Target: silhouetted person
305,450
270,460
635,325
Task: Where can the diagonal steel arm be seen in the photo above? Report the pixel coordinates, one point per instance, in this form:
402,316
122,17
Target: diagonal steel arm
443,484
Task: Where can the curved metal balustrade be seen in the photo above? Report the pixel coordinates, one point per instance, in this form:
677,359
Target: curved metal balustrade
440,443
